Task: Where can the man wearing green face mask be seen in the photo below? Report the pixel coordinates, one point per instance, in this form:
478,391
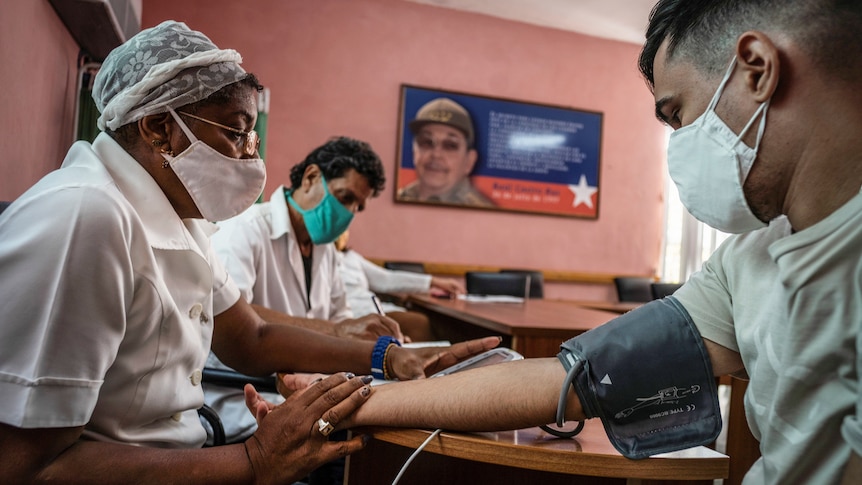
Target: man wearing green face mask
281,257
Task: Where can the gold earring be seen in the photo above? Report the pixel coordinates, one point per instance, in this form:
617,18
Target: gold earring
164,149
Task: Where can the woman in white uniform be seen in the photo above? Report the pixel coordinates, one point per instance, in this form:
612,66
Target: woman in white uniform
112,295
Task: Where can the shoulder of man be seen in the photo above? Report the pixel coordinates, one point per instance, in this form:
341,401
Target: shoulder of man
465,193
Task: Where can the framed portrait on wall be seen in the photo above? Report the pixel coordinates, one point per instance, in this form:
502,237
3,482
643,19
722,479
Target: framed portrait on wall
464,150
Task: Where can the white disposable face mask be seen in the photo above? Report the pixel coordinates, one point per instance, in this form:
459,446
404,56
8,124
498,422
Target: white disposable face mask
709,163
220,186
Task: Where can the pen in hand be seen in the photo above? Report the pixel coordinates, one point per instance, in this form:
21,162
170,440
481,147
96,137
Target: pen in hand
377,305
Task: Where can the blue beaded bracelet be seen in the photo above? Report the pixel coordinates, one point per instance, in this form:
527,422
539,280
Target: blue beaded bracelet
378,357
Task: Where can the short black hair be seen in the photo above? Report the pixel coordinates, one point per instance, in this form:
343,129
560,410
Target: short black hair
337,156
704,31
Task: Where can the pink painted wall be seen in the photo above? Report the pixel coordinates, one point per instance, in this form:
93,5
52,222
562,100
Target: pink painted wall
37,93
335,68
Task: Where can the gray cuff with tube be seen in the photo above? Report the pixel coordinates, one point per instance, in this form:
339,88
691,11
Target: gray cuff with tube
648,377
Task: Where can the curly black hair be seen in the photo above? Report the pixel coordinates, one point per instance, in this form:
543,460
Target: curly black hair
337,156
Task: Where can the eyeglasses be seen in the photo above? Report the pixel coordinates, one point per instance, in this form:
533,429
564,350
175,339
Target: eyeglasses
251,139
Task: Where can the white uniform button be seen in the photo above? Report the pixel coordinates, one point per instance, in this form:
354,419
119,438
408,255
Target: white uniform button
177,416
196,377
195,311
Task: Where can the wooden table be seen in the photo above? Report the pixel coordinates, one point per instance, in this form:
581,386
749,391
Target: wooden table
527,456
534,328
609,306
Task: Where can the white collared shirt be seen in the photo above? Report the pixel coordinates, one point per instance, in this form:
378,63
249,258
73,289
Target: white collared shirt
108,303
362,279
260,251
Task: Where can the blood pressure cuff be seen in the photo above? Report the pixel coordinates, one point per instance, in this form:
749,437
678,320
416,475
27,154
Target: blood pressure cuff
647,375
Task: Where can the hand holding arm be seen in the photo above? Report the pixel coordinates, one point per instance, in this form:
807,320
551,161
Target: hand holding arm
287,383
420,362
288,443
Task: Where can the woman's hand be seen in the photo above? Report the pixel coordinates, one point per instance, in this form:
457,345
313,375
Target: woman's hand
417,363
291,439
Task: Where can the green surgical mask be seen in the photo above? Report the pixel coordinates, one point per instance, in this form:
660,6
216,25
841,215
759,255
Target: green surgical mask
325,221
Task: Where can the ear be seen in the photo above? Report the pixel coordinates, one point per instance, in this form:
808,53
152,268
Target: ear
309,177
155,130
472,156
759,61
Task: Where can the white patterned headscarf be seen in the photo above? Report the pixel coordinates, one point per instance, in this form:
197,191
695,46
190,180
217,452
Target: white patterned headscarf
163,67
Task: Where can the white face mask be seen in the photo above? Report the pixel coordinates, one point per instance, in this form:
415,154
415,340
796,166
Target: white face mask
709,163
220,186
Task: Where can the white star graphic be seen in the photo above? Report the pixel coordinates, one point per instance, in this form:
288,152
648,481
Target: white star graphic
583,193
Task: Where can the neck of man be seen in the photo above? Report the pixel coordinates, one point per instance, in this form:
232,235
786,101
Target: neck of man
828,172
302,237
